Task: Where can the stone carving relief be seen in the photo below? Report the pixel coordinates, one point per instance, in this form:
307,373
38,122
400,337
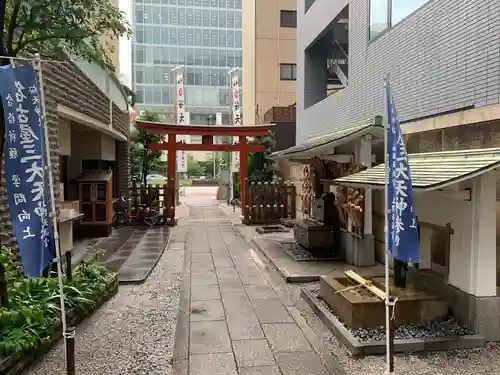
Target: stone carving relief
350,203
307,192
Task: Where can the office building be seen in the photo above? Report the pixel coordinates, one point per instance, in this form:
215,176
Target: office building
203,35
269,57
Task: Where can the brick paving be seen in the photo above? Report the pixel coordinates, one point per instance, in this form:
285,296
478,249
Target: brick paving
238,323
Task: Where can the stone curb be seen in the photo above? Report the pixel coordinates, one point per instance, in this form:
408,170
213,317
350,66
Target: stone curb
357,347
17,363
180,352
142,280
291,279
332,323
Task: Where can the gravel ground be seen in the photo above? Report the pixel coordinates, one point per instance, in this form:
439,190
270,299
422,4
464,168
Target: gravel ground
435,328
484,361
132,333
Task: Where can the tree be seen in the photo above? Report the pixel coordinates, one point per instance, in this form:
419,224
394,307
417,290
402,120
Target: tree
53,28
143,160
193,167
260,167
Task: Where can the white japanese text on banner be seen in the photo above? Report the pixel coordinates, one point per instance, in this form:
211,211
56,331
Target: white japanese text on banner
402,220
181,120
26,171
236,108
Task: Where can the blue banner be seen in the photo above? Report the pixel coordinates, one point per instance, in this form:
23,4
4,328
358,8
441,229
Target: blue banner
26,170
402,220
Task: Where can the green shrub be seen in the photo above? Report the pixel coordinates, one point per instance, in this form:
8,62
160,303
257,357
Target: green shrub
34,303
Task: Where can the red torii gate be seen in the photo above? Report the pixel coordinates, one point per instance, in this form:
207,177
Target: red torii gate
207,132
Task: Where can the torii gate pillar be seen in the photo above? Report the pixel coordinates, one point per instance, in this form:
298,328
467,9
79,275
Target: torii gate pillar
207,132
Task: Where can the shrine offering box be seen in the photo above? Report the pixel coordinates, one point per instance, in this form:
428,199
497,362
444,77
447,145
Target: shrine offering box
95,190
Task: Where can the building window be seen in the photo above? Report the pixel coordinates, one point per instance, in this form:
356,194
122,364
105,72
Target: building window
402,9
387,13
379,17
288,72
288,18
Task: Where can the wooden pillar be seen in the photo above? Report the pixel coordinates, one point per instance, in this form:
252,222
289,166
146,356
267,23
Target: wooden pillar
243,169
171,171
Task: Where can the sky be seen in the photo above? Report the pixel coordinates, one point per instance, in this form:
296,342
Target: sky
126,47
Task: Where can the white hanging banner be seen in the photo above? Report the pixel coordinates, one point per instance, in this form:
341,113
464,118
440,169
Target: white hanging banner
181,120
182,157
218,118
235,83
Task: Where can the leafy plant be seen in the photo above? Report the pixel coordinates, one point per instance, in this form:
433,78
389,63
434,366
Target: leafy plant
260,167
143,160
10,260
23,329
50,28
34,311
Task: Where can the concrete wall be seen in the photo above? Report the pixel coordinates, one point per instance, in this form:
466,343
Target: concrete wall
96,146
64,137
443,57
440,210
266,46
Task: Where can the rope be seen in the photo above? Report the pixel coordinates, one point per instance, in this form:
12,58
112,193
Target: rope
392,305
69,334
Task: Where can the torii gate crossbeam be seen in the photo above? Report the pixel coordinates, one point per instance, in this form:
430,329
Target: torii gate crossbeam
208,132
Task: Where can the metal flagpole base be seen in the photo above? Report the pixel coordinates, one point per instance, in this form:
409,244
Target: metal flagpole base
69,341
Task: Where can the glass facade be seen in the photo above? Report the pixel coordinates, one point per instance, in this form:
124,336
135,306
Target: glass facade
387,13
203,35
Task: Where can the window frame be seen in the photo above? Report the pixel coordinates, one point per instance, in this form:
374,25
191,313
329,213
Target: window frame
293,75
389,22
288,22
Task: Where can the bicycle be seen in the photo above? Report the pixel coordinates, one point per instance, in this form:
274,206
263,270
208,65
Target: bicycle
144,214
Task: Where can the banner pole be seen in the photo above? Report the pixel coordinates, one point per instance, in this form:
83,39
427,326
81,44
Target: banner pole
68,333
388,333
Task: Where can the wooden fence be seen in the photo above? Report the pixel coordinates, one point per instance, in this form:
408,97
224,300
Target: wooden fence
268,203
156,196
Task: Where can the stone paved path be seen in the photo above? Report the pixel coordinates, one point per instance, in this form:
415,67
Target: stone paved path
238,323
135,260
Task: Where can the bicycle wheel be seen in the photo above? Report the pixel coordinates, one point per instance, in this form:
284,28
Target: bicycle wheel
119,220
151,218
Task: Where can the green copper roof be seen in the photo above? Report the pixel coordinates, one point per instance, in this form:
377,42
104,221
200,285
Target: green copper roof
433,170
340,136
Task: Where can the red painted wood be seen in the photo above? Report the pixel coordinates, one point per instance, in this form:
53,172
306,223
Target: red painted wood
215,147
207,132
207,139
214,130
243,168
